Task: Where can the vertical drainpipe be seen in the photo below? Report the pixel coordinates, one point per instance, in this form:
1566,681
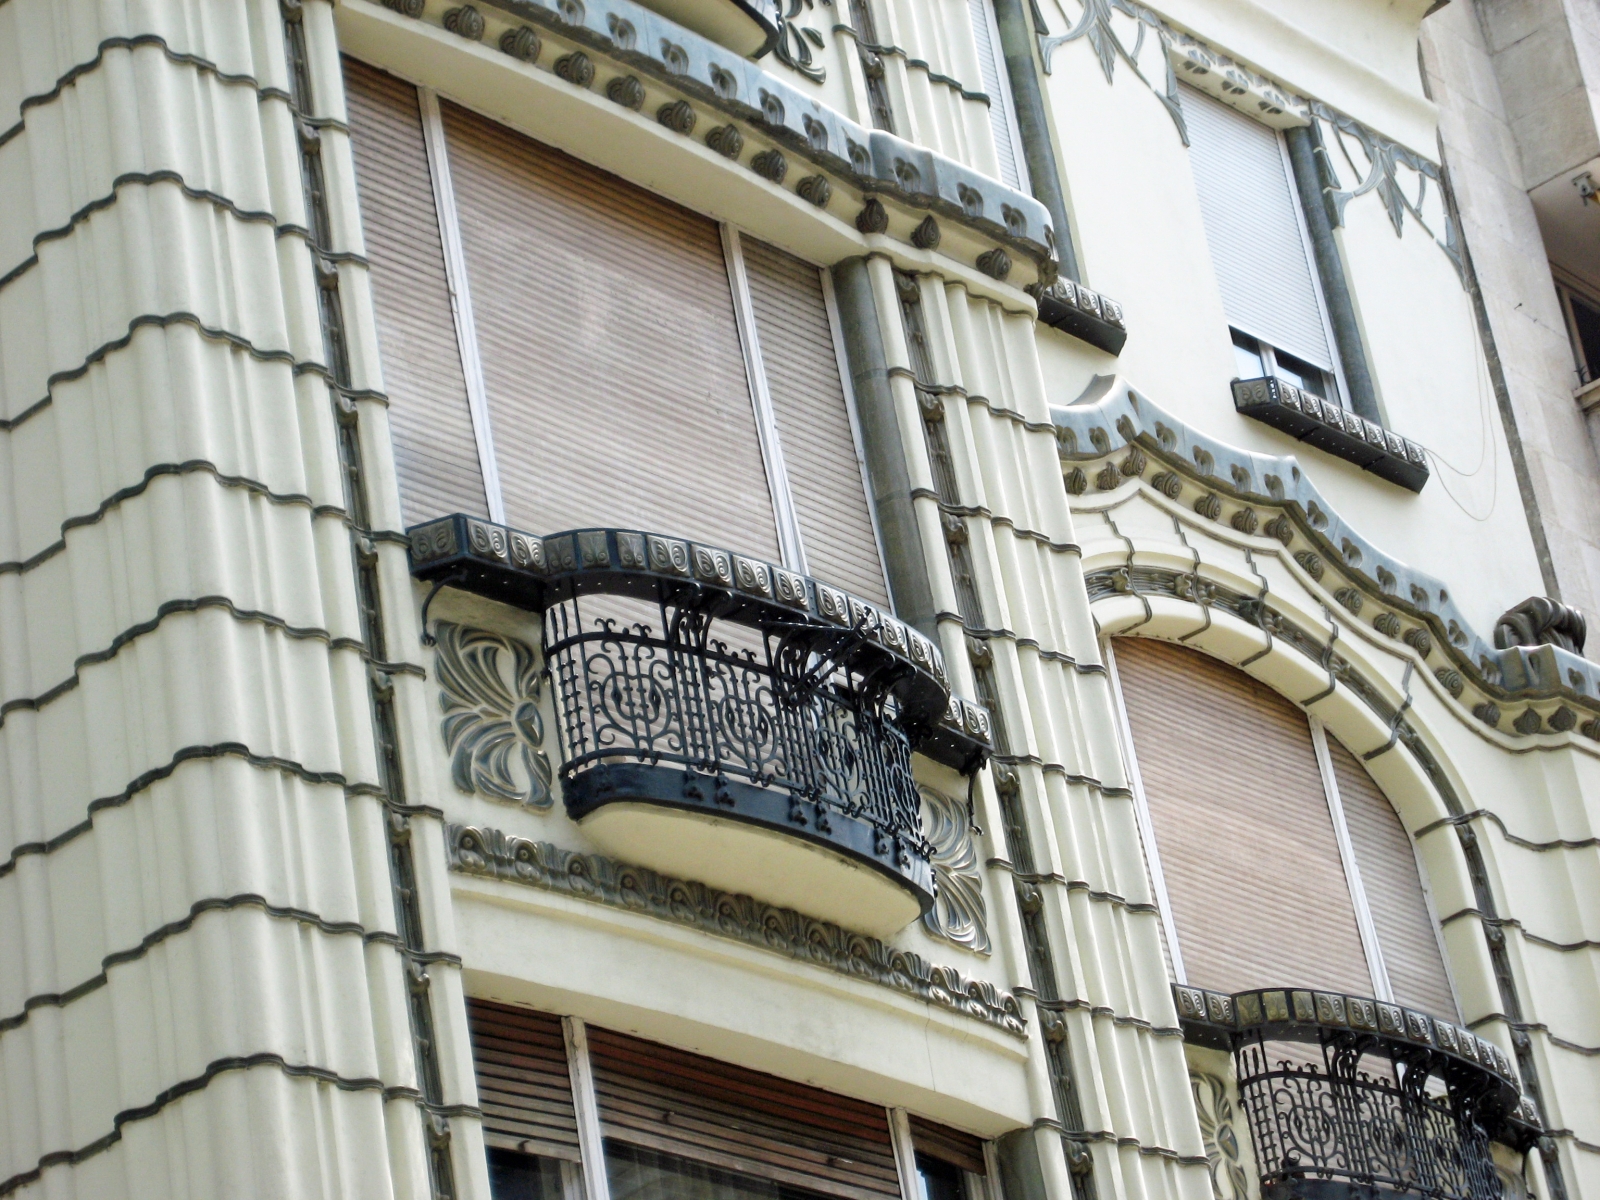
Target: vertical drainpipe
883,447
1016,42
1309,182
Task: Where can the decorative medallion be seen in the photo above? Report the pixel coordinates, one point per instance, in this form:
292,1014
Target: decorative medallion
493,730
958,914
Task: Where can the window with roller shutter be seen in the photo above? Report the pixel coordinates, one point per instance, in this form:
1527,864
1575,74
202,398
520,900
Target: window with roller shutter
615,384
1247,831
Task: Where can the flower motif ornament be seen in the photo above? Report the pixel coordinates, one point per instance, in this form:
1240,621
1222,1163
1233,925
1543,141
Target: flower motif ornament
489,689
958,913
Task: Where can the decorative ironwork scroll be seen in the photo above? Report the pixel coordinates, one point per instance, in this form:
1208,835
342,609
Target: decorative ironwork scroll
662,683
1378,1127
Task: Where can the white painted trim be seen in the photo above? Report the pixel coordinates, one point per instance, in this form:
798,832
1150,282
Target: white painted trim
1141,810
455,270
1007,102
1316,274
847,385
905,1155
994,1189
591,1144
1352,869
790,546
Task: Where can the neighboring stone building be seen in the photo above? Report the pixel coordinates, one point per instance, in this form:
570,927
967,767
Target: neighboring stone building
902,600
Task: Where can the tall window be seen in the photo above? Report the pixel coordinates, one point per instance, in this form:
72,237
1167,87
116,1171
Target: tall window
1002,116
666,1124
1260,249
1277,860
563,349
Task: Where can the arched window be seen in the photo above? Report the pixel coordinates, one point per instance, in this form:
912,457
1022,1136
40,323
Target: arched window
1278,859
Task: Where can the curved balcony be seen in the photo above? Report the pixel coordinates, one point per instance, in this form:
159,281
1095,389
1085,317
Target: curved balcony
726,720
1395,1101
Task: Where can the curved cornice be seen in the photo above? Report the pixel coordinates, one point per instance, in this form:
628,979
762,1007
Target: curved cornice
870,161
1410,606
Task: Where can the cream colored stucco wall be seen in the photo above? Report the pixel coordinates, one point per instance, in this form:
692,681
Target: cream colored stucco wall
207,999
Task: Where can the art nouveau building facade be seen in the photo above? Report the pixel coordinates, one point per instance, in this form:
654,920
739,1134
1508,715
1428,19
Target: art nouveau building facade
666,599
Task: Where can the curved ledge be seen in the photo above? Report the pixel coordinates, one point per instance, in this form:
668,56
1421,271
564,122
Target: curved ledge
535,573
491,854
1220,1021
1111,417
596,792
869,160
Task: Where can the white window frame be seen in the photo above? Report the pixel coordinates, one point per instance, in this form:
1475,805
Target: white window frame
1005,100
455,270
791,546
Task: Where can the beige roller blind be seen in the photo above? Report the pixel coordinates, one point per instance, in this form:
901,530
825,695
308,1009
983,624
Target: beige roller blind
436,455
524,1087
611,356
1394,890
1247,846
690,1107
808,401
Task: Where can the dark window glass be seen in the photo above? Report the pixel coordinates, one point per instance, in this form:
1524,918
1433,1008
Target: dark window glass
1586,324
941,1180
1247,357
515,1176
638,1174
1302,374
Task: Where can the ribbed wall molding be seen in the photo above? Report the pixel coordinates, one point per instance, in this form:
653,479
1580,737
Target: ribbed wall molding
196,921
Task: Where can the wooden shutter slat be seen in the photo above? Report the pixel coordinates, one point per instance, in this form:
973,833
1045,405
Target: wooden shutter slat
1247,847
436,452
1394,890
694,1107
611,356
524,1087
808,401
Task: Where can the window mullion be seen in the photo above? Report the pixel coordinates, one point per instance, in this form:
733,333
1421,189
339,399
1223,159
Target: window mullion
591,1142
1352,869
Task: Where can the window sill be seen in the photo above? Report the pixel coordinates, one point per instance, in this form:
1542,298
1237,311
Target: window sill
1333,430
1075,309
1588,396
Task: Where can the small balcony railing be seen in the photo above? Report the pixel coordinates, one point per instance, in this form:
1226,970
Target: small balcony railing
782,731
1390,1100
700,680
1333,1123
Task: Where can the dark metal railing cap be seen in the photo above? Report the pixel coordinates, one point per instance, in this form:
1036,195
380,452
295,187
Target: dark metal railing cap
535,572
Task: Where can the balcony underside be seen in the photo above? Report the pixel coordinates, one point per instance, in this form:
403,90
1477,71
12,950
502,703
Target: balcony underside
760,841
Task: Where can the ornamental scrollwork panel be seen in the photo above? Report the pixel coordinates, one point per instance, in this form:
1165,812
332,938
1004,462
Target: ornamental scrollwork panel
1219,1132
489,690
958,914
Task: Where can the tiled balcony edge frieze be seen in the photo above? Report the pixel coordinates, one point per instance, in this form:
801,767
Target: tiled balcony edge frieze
1114,434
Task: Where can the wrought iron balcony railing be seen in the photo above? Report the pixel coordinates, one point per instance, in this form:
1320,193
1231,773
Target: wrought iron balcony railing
695,678
1392,1101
